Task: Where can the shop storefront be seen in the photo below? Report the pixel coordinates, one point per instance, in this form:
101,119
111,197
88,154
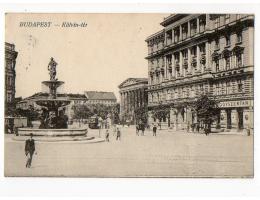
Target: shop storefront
237,115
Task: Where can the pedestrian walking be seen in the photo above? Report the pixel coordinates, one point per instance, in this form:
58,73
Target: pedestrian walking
29,150
154,129
107,135
137,129
142,128
198,127
192,127
118,134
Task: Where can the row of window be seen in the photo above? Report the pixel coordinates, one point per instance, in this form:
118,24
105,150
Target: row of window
226,19
202,50
196,26
229,87
223,88
182,32
227,65
227,62
185,92
239,39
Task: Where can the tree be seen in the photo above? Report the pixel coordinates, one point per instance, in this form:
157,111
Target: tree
81,111
141,114
101,110
207,111
115,113
161,112
31,114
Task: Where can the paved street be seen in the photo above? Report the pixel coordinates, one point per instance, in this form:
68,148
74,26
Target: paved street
169,154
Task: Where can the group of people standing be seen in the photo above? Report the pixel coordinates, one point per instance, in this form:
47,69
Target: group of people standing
116,132
141,126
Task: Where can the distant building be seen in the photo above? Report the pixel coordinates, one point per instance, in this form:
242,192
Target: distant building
105,98
133,95
10,62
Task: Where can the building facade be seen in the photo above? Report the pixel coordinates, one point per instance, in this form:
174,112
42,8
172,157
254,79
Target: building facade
105,98
197,54
10,62
133,95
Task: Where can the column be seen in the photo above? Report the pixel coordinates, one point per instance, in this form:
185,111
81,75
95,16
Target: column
125,102
234,119
150,118
144,97
128,101
131,101
172,35
223,119
137,99
180,33
208,67
181,67
173,67
165,67
198,25
189,116
140,98
121,103
189,62
198,59
179,120
134,97
207,22
188,28
248,118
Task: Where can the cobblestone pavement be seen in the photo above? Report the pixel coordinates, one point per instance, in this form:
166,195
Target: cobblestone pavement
171,153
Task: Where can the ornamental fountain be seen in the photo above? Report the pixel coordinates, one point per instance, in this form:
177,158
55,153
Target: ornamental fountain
53,120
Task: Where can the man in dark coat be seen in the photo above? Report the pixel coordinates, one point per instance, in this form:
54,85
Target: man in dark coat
29,150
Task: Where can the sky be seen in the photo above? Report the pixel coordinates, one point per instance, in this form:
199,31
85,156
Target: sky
100,56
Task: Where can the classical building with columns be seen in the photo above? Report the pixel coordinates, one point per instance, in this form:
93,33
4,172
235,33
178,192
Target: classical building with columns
133,95
197,54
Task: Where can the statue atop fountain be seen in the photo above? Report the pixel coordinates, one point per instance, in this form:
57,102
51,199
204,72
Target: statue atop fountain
52,69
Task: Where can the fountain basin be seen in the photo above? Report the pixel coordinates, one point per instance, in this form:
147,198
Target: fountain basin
53,132
52,103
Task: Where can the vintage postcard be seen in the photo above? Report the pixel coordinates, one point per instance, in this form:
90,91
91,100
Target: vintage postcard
129,95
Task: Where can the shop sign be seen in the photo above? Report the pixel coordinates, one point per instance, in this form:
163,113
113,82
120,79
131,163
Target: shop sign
242,103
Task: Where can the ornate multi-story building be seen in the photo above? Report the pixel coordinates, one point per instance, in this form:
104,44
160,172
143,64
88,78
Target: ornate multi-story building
199,54
133,95
10,62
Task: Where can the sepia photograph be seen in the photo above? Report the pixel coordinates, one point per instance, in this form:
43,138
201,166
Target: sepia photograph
129,95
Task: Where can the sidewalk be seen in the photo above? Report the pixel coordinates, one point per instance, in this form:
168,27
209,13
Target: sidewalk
231,132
